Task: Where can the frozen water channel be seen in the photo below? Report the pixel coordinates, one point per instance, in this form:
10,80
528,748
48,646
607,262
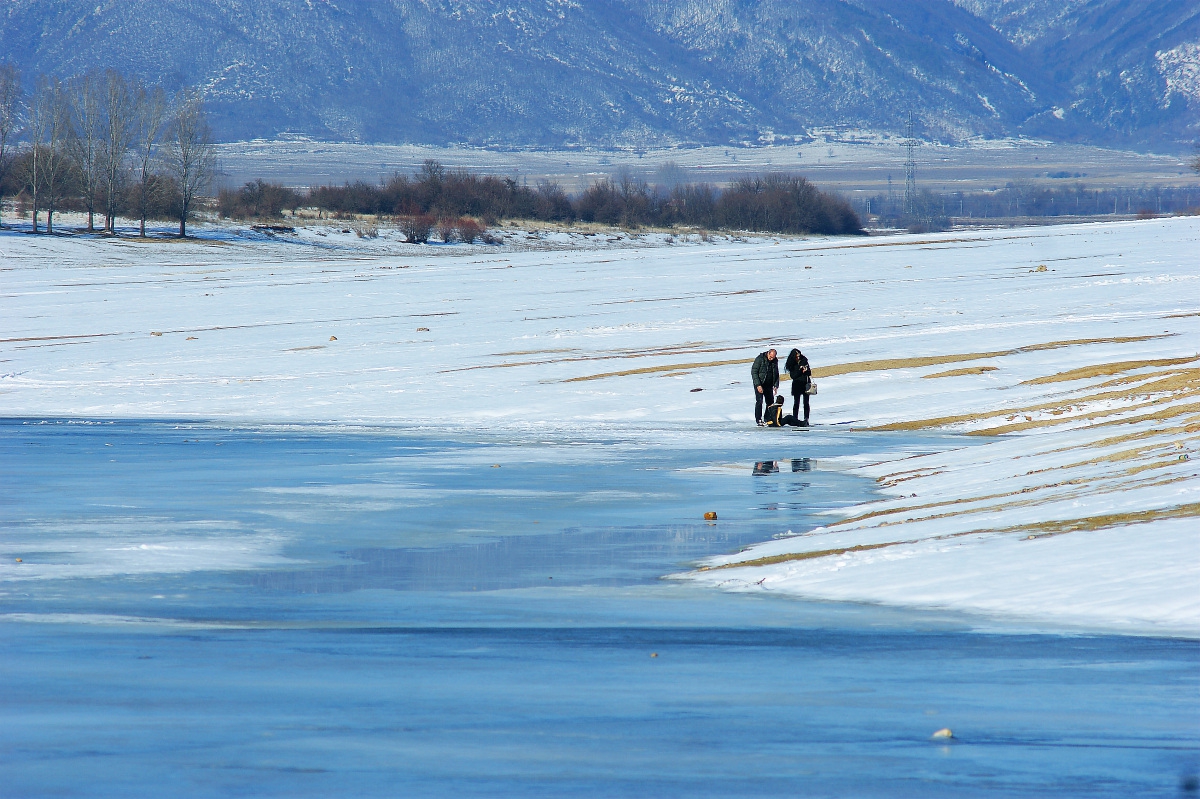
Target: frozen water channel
339,611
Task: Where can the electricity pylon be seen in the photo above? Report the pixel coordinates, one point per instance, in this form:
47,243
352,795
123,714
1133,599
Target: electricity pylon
910,168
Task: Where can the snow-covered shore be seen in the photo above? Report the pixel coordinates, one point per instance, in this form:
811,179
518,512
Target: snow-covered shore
1075,347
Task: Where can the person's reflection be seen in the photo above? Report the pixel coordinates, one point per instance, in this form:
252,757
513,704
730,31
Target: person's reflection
801,465
766,467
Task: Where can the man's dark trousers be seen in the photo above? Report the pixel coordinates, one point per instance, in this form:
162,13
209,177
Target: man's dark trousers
768,394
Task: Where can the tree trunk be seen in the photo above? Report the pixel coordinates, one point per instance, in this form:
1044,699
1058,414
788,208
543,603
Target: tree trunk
91,221
50,220
182,226
35,216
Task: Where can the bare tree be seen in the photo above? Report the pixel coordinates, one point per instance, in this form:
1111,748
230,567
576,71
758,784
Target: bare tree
47,167
58,166
151,115
118,129
10,118
87,139
33,166
191,155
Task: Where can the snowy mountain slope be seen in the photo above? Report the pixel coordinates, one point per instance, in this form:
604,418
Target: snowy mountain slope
1026,22
864,65
1120,65
380,71
633,72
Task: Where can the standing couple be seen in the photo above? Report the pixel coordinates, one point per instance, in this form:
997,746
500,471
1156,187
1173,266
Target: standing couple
765,375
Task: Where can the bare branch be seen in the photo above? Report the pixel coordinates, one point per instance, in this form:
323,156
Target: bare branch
191,156
47,169
86,142
151,116
119,113
10,116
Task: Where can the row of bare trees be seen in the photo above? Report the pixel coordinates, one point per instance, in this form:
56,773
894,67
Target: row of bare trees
103,143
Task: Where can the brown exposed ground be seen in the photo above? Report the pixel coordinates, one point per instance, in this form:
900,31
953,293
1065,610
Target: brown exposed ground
1152,389
879,365
1031,531
1105,369
970,370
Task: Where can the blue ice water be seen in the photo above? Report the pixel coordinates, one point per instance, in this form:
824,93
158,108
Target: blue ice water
308,611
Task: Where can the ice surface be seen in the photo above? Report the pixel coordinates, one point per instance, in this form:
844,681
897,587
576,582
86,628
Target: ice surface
449,613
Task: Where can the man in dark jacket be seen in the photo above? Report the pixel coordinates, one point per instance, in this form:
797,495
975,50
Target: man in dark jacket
765,376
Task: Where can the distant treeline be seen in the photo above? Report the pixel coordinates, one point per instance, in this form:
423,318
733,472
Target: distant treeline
938,210
777,203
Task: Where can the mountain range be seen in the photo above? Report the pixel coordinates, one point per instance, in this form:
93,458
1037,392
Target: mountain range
641,73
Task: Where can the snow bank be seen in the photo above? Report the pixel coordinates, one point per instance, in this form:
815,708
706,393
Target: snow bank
1072,349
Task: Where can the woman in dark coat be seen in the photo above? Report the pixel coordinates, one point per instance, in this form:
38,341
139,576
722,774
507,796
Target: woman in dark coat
797,367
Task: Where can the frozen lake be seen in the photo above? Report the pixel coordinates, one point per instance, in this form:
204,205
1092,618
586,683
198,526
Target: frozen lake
310,610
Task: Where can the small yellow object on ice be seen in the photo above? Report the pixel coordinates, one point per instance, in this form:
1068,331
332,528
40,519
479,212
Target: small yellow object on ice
192,338
710,516
20,561
653,654
333,338
944,732
1041,268
155,333
422,330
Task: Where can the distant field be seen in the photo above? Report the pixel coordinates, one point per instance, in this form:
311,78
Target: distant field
846,166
